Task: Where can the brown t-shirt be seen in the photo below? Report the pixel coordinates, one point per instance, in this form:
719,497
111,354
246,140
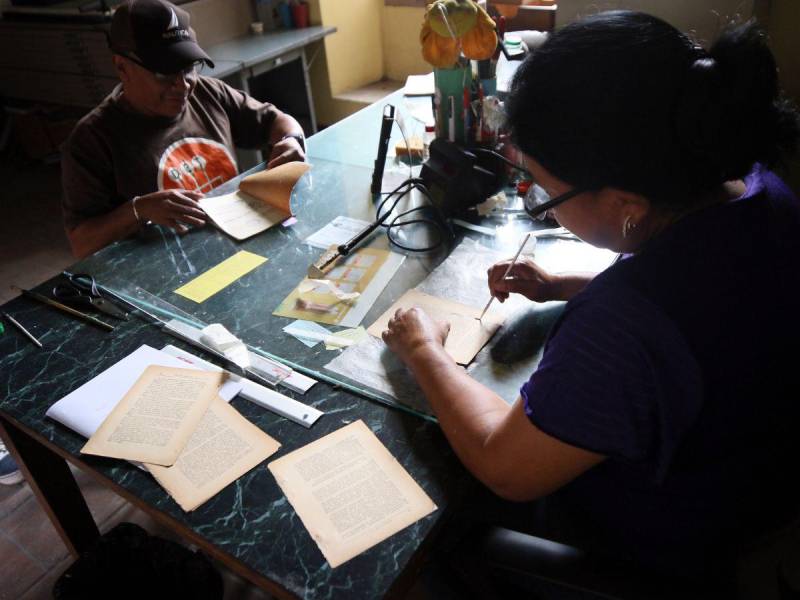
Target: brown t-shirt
115,153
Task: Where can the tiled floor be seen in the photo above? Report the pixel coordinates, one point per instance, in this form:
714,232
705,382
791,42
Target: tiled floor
33,248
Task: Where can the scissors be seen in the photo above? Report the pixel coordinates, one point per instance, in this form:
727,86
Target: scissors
82,290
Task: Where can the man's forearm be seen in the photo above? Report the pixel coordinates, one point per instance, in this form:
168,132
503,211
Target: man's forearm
96,233
284,125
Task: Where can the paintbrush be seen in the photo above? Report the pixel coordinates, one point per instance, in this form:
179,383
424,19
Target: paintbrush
508,270
64,308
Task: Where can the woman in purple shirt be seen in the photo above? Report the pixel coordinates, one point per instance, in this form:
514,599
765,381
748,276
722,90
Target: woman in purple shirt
662,416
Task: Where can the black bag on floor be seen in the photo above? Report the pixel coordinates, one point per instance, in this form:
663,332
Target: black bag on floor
127,562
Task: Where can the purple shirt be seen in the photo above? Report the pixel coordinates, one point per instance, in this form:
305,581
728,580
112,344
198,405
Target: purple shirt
670,364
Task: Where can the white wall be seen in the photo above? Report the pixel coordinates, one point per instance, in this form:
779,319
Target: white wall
704,19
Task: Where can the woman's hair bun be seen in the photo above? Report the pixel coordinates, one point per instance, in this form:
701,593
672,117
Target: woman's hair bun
730,113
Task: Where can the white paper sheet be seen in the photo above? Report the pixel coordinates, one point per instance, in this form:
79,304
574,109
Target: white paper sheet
420,85
84,409
342,229
300,330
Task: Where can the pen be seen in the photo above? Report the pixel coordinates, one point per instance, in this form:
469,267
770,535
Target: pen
64,308
508,270
19,326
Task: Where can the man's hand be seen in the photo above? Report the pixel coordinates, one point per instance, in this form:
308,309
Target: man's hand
525,277
173,208
412,330
286,150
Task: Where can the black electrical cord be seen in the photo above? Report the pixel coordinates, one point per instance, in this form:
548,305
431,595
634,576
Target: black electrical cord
437,223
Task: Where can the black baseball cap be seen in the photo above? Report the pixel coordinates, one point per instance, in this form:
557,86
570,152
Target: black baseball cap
156,34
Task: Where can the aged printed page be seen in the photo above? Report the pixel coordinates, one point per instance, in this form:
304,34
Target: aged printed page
349,492
262,200
467,335
155,419
224,447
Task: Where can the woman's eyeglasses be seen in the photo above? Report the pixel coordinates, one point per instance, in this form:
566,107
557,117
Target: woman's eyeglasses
538,201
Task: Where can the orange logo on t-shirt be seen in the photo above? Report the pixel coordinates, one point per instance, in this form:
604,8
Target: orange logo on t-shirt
195,164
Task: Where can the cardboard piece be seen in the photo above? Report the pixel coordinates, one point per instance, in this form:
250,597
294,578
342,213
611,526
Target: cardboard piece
467,335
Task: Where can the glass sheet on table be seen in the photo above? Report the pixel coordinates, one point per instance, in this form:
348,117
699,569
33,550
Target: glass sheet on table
508,359
160,262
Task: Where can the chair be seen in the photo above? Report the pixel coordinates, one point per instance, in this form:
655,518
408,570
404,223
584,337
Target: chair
521,565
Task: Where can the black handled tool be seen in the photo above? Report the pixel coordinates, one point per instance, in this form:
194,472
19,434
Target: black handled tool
383,146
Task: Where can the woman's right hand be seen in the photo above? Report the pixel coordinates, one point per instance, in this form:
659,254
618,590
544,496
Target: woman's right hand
525,277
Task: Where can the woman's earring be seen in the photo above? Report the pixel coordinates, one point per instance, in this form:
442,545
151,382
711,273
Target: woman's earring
628,226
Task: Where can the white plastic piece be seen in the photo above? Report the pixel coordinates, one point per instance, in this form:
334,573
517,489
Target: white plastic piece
216,336
284,406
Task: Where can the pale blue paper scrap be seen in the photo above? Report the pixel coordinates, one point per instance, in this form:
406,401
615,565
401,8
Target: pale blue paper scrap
297,328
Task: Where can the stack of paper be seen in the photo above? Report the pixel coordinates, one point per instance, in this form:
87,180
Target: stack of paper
158,410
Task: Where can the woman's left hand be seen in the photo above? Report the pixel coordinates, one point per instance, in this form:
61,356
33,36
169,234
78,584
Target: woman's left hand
410,331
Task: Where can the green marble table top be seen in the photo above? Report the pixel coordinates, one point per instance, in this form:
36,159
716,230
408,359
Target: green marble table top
251,520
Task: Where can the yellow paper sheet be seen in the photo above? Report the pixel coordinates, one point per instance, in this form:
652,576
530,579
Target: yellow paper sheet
201,288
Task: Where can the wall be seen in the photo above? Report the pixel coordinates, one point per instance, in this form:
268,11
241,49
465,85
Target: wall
402,55
214,21
703,18
350,58
784,21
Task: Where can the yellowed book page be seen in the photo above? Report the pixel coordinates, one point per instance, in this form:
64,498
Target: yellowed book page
224,447
350,492
467,334
155,419
262,200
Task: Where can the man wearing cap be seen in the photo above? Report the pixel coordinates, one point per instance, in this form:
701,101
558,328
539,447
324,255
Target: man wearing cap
164,136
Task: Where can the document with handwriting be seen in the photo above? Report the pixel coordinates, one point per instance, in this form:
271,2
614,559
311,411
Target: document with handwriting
154,420
262,200
350,492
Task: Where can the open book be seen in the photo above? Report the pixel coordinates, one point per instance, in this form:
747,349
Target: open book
261,201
